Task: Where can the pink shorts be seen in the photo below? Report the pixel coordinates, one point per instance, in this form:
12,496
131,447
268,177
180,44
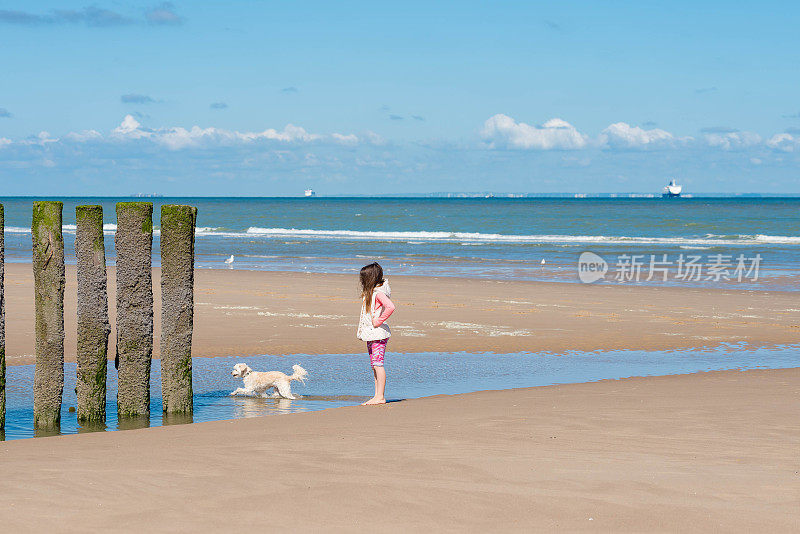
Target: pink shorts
376,350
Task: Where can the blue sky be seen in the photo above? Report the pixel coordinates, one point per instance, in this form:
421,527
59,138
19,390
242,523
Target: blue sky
263,98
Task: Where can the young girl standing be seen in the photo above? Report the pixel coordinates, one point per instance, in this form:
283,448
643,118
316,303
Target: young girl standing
376,307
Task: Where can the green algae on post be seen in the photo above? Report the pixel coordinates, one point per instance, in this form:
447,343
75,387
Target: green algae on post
49,280
177,306
93,324
134,245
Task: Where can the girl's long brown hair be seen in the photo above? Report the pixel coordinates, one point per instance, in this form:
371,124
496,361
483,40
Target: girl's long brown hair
370,277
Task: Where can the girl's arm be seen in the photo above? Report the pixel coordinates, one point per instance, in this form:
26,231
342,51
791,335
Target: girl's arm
388,308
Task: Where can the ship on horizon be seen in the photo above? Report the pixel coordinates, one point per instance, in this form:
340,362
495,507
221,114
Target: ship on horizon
309,193
672,190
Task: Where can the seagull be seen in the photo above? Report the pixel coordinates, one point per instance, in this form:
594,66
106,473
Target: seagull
229,261
541,263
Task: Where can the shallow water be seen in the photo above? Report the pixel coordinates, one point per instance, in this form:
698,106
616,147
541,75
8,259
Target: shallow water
345,379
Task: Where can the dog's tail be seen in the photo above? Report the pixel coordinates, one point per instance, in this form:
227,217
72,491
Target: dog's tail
299,374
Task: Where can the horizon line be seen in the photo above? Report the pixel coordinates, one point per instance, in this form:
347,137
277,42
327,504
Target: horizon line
441,195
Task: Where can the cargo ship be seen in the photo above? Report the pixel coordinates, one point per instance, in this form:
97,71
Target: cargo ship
672,190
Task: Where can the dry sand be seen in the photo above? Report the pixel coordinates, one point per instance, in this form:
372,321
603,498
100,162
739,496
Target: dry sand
252,312
706,452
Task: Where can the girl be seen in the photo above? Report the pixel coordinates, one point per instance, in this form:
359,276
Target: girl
372,328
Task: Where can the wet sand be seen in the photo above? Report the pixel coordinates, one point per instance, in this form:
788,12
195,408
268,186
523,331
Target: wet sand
255,312
704,452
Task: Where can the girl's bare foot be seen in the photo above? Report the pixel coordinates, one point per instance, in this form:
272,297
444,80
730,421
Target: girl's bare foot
373,400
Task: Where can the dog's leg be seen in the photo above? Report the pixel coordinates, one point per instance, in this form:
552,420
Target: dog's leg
238,391
285,390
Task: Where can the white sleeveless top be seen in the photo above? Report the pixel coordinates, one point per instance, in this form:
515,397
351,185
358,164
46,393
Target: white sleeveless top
367,332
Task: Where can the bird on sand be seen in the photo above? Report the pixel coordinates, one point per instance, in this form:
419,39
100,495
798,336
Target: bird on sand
229,261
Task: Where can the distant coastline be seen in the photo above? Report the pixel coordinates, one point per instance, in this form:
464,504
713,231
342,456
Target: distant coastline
439,195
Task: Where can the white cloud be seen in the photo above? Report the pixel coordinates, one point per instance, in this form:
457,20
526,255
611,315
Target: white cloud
129,128
42,138
84,136
350,139
177,137
213,160
374,138
501,131
623,135
785,142
733,140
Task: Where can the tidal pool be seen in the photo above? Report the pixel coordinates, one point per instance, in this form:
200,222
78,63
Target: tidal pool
345,379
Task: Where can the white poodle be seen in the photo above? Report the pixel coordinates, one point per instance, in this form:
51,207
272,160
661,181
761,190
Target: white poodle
257,383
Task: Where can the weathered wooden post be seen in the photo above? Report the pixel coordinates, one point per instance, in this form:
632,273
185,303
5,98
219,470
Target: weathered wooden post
93,327
177,306
134,245
2,328
48,281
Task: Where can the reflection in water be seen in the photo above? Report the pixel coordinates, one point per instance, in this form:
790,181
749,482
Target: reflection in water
132,422
259,406
176,419
345,380
91,426
46,432
355,399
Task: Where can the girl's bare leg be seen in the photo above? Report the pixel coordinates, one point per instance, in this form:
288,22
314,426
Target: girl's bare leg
380,386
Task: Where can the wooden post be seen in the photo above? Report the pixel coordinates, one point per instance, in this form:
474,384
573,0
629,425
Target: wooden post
93,327
177,306
48,276
134,245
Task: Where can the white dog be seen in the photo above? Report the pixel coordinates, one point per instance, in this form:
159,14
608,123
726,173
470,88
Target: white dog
257,383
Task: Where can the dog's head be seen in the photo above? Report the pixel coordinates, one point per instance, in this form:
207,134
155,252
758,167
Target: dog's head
239,370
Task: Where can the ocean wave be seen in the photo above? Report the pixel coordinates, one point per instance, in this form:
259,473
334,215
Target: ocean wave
761,238
479,238
108,229
777,238
468,238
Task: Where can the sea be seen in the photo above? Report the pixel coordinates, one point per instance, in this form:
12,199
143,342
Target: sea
740,242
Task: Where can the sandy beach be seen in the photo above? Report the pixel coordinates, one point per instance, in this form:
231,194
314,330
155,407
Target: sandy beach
588,216
257,312
703,452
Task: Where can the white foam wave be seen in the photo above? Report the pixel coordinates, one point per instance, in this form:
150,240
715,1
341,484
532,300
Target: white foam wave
469,238
777,238
108,229
477,238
